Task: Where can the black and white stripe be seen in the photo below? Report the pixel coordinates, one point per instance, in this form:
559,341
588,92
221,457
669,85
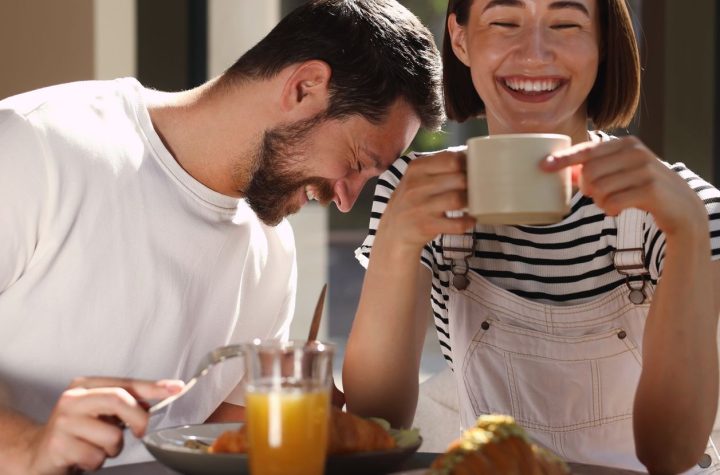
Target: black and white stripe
566,263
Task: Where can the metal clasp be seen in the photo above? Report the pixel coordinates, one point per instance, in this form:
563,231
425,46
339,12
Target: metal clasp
628,268
460,278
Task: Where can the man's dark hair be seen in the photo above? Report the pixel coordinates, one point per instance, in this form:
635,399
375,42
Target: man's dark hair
378,52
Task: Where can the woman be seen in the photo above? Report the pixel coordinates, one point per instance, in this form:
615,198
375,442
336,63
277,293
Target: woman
598,333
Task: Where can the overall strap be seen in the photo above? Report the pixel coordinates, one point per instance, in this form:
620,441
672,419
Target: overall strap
458,248
629,253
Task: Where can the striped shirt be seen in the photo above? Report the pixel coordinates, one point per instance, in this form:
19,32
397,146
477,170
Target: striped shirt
566,263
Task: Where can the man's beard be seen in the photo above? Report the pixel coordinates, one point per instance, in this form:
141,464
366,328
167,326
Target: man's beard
276,176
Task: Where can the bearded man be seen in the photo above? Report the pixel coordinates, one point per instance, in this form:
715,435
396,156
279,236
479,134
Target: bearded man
140,229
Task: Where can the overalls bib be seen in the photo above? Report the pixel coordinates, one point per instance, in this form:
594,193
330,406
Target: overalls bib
567,374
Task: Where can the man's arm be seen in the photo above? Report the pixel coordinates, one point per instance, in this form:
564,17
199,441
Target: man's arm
23,191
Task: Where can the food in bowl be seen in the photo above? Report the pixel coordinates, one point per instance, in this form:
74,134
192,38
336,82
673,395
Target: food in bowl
348,434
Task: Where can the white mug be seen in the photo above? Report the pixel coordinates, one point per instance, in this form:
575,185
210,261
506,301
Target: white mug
506,184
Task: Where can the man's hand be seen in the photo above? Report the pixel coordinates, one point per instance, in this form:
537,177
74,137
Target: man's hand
86,426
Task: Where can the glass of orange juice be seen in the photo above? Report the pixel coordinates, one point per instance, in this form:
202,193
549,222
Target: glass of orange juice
288,406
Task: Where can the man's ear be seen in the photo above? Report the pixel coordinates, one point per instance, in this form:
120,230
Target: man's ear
458,39
306,90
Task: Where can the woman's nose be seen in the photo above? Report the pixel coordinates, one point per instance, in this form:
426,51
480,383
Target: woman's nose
535,46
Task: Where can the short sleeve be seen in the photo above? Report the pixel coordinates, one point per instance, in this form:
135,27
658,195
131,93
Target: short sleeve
23,190
237,395
280,332
654,237
278,323
386,184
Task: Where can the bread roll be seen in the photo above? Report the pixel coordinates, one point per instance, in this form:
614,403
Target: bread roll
347,433
496,446
350,433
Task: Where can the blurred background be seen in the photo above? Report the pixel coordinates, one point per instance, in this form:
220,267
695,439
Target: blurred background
177,44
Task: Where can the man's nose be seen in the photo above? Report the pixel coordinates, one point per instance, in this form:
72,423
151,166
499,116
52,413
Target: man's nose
347,192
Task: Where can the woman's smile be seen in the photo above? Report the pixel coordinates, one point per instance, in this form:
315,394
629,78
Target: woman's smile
532,89
532,62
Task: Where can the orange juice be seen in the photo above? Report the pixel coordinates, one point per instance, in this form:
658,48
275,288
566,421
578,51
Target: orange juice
287,430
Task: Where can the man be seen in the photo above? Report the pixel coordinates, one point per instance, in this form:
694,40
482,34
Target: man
141,229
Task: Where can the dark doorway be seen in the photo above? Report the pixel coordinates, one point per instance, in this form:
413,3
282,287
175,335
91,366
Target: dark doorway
172,43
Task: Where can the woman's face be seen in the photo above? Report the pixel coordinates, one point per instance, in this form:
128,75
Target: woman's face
533,62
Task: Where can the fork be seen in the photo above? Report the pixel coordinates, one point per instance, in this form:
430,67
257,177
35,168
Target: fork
214,357
231,351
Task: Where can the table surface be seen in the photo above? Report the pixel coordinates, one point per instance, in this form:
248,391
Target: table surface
415,465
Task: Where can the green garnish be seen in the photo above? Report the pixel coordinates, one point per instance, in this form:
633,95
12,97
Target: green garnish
403,437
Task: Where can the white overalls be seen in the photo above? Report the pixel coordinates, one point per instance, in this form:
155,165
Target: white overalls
567,374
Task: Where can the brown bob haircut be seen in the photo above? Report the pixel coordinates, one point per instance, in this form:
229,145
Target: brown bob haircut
614,98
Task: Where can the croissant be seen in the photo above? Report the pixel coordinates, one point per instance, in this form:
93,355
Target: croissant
350,433
347,433
231,442
496,446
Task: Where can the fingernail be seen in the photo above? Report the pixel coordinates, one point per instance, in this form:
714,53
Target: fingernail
171,385
548,162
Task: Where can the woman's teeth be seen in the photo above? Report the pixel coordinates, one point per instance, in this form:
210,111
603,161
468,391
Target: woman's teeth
525,85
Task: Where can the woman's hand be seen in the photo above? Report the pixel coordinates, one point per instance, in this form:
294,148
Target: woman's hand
624,173
676,398
87,423
431,186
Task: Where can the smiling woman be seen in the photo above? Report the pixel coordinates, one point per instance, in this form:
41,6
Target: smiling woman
577,25
573,328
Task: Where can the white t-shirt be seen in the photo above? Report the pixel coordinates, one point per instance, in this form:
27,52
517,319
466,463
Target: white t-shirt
114,261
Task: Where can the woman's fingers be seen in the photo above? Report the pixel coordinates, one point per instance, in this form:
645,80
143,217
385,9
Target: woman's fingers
610,171
602,188
425,189
416,212
582,153
439,163
628,198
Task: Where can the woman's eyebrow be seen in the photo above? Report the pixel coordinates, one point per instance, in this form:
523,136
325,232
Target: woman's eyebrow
503,3
553,6
569,4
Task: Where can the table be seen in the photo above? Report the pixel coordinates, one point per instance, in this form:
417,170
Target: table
414,466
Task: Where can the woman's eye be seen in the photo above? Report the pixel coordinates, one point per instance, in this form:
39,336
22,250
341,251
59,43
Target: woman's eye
504,24
565,26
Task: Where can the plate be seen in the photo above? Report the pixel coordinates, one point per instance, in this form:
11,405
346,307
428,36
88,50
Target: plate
168,447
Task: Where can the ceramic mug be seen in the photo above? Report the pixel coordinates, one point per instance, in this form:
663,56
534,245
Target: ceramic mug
506,184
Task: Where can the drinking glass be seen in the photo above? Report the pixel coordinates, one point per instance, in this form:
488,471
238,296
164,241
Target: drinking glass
288,406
